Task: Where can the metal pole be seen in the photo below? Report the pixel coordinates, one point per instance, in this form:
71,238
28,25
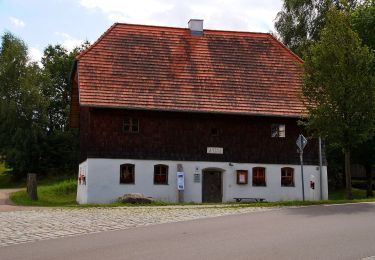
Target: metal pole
303,180
320,168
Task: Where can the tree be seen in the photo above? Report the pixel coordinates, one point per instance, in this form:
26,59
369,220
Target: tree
363,18
22,107
365,154
339,86
34,109
57,64
299,22
60,149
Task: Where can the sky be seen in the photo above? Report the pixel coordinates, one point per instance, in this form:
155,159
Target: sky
70,22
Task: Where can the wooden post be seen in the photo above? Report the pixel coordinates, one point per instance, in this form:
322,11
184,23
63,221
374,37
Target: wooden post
32,186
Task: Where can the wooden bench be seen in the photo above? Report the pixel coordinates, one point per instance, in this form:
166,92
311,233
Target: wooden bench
250,199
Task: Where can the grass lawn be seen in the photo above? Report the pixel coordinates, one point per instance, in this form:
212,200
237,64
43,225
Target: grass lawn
340,195
63,193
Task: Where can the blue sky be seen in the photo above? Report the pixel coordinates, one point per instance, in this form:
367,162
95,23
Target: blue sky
69,22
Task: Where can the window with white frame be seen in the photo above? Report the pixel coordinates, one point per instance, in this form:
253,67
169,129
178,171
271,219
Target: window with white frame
287,177
278,130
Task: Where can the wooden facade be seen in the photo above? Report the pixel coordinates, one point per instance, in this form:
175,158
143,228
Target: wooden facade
184,136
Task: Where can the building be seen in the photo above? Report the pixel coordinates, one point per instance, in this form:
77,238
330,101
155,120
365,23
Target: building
220,106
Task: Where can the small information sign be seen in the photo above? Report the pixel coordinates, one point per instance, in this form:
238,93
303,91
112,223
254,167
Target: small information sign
215,150
180,181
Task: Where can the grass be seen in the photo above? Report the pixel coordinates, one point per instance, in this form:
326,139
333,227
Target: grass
62,193
54,193
340,194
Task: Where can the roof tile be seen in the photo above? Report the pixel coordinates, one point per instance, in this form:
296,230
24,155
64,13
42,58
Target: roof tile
165,68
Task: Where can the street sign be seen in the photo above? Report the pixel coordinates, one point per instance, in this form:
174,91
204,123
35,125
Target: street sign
301,142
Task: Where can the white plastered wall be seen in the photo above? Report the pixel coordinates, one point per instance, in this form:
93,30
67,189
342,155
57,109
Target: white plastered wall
103,186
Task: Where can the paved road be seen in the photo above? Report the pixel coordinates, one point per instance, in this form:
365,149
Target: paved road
316,232
47,223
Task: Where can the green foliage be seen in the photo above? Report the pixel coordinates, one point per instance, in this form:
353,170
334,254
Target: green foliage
300,21
61,143
363,18
339,86
34,109
22,107
57,64
6,180
3,169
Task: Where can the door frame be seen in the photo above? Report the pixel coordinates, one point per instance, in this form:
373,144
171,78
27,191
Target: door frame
212,169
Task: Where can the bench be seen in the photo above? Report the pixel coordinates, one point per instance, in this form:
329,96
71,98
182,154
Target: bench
250,199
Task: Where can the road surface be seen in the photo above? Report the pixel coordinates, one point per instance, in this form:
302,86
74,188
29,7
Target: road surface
314,232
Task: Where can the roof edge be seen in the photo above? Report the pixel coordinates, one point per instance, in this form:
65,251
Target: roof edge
185,28
286,48
193,111
79,56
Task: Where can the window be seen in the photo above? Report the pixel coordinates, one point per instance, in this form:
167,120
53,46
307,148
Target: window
278,130
127,174
161,174
242,177
259,176
131,125
287,177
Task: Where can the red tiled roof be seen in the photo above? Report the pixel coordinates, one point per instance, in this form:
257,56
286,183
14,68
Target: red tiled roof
165,68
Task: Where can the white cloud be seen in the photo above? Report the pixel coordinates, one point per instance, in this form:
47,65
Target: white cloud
248,15
68,41
17,22
35,54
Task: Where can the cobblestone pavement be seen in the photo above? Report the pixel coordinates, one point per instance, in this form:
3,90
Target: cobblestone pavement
28,226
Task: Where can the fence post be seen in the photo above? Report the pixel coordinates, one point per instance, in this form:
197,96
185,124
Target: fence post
32,186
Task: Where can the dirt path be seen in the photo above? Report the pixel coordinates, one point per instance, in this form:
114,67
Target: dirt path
6,204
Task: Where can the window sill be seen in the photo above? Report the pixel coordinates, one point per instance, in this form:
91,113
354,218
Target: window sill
161,184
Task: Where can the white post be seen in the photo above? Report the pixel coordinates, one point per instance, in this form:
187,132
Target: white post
303,179
320,168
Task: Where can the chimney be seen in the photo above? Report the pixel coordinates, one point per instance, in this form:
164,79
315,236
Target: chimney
196,27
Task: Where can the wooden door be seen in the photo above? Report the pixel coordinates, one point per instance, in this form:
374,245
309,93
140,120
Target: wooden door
212,187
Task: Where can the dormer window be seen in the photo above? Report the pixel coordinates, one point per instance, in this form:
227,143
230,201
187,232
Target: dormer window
278,130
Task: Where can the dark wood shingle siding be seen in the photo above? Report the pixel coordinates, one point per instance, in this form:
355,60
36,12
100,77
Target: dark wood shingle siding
186,136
